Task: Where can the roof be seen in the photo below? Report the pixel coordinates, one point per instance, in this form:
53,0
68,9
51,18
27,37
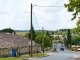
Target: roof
13,41
58,41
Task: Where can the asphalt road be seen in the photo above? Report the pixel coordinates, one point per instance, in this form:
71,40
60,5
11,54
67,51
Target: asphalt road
61,55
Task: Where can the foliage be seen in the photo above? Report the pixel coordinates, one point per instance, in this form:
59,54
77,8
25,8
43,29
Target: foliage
33,34
63,30
54,50
56,38
73,30
38,39
78,25
38,32
48,34
47,41
8,30
76,40
73,6
69,37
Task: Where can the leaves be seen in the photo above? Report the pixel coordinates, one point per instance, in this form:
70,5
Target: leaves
47,41
73,6
33,34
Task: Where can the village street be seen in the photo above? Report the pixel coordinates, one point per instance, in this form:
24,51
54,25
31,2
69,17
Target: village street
61,55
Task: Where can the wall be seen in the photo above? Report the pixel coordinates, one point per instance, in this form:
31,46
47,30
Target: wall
19,51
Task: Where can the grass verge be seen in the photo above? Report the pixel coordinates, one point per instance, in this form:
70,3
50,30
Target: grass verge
22,57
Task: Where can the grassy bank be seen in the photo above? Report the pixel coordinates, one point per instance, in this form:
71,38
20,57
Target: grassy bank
22,57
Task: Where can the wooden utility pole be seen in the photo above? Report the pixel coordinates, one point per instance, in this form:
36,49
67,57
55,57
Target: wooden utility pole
31,30
43,39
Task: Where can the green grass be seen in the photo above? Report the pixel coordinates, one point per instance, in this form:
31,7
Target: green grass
21,33
21,57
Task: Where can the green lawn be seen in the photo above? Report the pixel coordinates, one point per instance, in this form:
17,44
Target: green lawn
21,57
21,33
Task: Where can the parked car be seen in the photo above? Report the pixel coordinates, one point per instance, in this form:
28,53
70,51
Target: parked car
62,48
78,48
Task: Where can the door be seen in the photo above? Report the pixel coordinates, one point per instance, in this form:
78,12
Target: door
13,52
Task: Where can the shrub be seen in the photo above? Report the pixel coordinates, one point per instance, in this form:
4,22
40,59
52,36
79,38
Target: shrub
54,50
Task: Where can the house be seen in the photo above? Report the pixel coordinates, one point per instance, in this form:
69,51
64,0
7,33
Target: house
12,45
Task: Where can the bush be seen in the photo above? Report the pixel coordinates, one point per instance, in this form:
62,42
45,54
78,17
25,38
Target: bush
73,48
54,50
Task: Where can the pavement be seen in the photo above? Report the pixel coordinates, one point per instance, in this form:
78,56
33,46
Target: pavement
76,55
60,55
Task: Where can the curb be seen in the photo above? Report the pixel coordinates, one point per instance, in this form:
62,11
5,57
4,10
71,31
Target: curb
35,57
38,57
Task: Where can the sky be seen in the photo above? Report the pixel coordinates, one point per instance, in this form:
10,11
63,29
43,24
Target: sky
16,15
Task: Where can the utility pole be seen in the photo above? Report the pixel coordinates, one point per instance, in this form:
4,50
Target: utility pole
43,39
31,30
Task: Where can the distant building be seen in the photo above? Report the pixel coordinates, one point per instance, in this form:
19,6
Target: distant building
12,45
58,41
57,35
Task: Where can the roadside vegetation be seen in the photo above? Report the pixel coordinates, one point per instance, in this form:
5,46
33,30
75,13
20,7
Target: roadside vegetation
23,57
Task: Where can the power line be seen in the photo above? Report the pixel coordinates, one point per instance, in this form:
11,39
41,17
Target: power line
36,20
42,6
48,6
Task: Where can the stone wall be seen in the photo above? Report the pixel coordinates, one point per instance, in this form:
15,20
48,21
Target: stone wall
19,51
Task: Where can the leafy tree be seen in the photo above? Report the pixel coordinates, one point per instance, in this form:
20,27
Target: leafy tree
47,41
33,34
74,30
76,39
78,25
38,32
8,30
56,38
73,6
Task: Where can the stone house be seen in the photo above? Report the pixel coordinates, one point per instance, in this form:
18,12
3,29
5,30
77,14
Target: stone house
12,45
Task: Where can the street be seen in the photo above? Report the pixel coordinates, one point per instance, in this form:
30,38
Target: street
61,55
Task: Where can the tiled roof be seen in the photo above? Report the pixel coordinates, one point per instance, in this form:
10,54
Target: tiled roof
12,41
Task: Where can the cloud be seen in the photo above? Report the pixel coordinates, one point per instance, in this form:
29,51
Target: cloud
16,14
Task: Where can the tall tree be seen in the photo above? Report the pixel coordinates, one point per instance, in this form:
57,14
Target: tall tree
33,34
69,37
73,6
48,34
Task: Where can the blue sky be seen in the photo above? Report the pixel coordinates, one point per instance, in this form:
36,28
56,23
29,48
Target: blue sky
16,14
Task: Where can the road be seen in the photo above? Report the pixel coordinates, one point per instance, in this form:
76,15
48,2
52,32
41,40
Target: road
61,55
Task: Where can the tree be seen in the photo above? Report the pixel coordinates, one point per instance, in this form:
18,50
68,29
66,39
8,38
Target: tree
47,41
78,25
48,34
33,33
39,32
8,30
56,38
73,6
69,36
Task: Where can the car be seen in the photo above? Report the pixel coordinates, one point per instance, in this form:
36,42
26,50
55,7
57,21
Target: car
62,48
78,48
